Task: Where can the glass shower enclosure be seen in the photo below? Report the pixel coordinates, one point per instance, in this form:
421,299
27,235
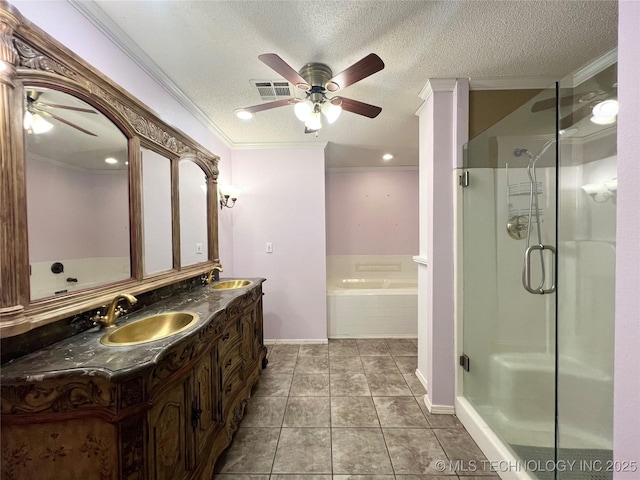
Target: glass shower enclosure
538,277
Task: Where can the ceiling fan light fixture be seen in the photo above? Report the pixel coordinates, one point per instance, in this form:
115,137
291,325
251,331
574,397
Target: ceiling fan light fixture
600,120
331,111
314,122
34,123
608,108
303,110
243,114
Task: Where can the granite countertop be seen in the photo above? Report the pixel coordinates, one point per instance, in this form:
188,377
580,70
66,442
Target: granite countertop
83,354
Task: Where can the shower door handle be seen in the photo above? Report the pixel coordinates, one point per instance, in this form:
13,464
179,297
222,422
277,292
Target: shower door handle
526,276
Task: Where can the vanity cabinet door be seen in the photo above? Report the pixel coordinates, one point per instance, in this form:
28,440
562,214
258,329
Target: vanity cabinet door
169,433
252,336
206,398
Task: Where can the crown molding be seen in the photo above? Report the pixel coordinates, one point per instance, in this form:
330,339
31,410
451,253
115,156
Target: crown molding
272,146
92,12
595,67
511,83
398,168
437,85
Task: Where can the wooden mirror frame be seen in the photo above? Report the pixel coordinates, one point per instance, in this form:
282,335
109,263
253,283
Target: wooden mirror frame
28,55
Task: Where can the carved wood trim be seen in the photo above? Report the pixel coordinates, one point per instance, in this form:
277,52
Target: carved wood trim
57,396
131,393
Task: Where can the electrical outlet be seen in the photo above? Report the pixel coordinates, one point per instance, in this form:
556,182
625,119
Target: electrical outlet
269,247
198,248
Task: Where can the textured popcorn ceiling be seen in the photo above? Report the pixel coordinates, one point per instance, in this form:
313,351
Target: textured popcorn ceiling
209,49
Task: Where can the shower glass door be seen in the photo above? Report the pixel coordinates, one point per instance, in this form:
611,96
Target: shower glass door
509,225
539,225
586,275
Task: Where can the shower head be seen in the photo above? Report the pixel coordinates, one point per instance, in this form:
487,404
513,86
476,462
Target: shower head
518,152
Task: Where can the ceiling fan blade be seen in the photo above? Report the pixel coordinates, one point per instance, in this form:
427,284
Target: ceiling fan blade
66,107
279,65
66,122
369,65
551,103
270,105
355,106
575,117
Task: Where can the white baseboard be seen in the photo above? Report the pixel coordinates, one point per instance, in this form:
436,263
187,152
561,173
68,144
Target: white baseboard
366,336
493,448
422,379
438,409
317,341
435,409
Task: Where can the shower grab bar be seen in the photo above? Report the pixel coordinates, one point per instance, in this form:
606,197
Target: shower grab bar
526,278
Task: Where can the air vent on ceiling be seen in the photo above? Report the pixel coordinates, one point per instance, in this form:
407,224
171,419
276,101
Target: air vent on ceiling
273,89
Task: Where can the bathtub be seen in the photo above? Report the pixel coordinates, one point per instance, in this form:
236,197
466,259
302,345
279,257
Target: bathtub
522,396
372,307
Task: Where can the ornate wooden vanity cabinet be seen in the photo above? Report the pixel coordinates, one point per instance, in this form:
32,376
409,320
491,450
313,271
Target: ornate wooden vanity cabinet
168,418
79,409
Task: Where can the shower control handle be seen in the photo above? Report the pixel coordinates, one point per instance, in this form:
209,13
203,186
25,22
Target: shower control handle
526,277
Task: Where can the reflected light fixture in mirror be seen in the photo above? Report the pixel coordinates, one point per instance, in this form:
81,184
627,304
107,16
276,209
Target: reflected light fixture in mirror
35,124
243,114
71,189
228,195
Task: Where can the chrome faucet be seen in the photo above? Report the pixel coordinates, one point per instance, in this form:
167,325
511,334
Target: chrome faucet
214,275
114,310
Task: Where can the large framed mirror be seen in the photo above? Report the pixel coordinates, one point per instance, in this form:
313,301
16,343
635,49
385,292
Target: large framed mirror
98,194
77,183
157,215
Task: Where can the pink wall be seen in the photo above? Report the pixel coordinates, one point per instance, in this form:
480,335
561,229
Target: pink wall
626,428
282,202
372,212
95,222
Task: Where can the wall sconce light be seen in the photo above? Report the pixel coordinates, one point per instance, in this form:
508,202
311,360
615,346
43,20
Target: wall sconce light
228,195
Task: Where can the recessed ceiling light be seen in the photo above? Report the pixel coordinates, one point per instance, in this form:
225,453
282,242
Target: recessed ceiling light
243,114
387,157
111,161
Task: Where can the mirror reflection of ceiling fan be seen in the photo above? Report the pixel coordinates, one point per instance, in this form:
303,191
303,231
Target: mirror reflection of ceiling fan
317,80
36,111
598,102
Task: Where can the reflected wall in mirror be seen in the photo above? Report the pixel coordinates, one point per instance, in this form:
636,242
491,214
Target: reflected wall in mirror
77,182
156,212
193,213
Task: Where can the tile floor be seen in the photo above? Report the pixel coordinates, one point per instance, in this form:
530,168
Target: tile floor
348,409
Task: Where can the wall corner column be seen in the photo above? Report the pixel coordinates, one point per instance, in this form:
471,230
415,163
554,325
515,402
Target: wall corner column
13,249
443,130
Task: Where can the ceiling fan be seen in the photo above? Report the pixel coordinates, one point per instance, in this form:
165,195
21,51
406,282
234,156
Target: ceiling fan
589,103
36,110
317,80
